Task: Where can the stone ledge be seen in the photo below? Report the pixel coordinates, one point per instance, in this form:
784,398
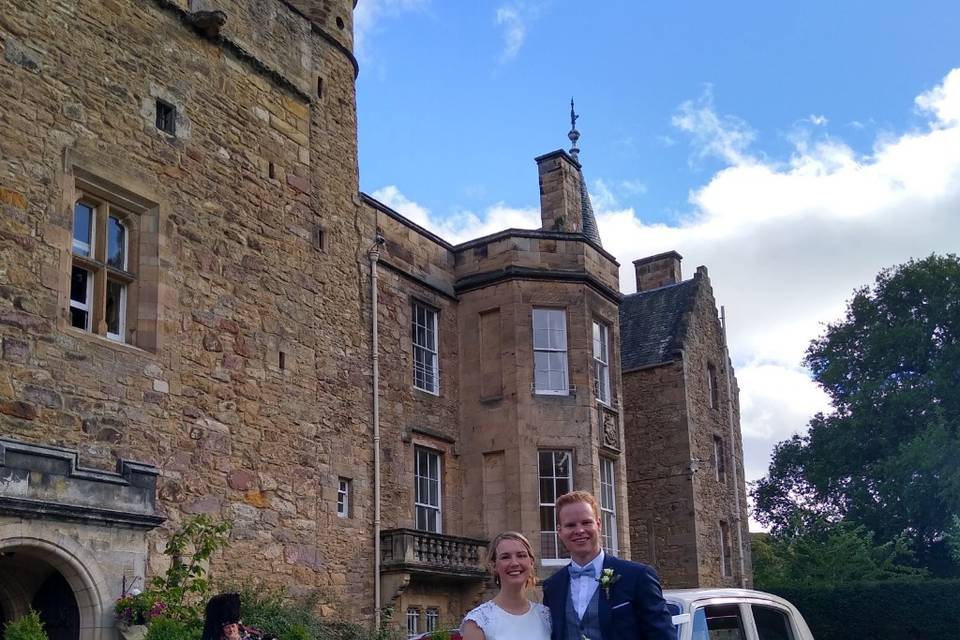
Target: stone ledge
39,481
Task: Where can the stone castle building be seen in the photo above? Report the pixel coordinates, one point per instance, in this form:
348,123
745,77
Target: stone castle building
201,314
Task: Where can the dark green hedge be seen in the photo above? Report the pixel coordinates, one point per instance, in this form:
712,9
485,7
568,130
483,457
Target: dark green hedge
894,610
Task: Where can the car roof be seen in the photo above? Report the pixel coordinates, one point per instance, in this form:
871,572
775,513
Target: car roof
689,596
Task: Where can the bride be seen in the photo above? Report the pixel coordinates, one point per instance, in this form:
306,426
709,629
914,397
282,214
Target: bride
509,616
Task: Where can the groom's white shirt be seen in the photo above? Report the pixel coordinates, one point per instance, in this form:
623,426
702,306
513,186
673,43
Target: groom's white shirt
582,588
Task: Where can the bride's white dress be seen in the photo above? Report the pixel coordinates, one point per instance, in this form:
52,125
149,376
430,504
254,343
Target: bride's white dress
498,624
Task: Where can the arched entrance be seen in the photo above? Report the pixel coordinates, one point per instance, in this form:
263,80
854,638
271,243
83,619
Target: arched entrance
58,609
49,579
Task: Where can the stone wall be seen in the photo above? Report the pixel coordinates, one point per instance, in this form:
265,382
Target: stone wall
410,417
656,430
677,502
715,499
254,397
553,251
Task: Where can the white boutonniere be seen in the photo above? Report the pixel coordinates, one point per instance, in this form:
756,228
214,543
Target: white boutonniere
606,580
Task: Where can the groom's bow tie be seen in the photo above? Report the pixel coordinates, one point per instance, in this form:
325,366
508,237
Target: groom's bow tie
576,572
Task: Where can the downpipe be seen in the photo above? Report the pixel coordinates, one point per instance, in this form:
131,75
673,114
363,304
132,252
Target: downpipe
374,255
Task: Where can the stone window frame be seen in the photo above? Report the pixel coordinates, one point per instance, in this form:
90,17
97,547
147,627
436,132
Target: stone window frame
413,621
547,505
713,388
608,505
431,316
90,258
431,619
726,550
84,180
564,348
719,458
344,497
427,506
601,368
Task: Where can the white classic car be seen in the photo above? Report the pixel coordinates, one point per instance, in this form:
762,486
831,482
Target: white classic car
734,614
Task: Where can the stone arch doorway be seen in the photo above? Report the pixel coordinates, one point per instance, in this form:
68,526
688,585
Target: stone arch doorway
58,609
51,580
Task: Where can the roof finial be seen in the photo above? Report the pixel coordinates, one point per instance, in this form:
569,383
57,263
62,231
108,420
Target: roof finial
574,135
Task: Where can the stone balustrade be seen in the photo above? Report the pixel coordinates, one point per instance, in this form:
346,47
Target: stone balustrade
413,551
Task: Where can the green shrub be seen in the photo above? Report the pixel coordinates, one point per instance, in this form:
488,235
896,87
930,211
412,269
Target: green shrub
182,592
28,627
276,612
889,610
185,588
172,629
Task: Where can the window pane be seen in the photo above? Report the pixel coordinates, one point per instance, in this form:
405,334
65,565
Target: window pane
562,463
546,463
116,308
723,621
772,624
116,244
548,545
546,491
547,519
79,281
541,338
79,319
82,229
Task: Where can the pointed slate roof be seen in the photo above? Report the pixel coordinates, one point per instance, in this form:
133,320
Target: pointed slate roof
590,228
652,324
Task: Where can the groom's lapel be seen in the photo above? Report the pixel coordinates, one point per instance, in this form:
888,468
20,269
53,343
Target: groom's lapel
603,601
563,595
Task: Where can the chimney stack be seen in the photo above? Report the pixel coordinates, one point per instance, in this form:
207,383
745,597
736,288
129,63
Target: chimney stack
658,271
561,205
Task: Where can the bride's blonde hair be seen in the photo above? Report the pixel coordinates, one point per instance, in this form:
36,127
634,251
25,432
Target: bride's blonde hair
492,556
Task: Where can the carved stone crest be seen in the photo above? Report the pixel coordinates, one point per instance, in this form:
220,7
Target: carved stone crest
609,429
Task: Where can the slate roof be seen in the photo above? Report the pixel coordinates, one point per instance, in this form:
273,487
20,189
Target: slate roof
589,221
651,324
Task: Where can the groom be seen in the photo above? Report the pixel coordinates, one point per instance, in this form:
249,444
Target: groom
598,596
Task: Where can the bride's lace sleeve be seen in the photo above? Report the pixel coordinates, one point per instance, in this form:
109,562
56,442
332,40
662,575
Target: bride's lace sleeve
480,616
545,616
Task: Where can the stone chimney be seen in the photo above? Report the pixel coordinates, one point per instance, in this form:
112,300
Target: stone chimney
561,204
658,271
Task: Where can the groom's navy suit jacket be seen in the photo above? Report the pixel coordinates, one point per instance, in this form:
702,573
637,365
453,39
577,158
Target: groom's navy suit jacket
633,610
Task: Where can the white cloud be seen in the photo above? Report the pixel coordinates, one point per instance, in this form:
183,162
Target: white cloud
368,17
726,137
633,187
514,31
462,225
817,120
943,101
601,196
607,197
786,242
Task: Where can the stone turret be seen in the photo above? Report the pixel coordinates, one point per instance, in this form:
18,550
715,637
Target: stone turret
564,200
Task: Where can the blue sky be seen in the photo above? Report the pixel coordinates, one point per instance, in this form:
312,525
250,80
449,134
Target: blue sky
442,88
794,149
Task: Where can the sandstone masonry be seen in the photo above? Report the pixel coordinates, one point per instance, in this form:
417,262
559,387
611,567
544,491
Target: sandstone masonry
187,280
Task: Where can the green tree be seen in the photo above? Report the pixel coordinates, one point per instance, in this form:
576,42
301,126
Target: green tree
185,586
886,457
832,556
